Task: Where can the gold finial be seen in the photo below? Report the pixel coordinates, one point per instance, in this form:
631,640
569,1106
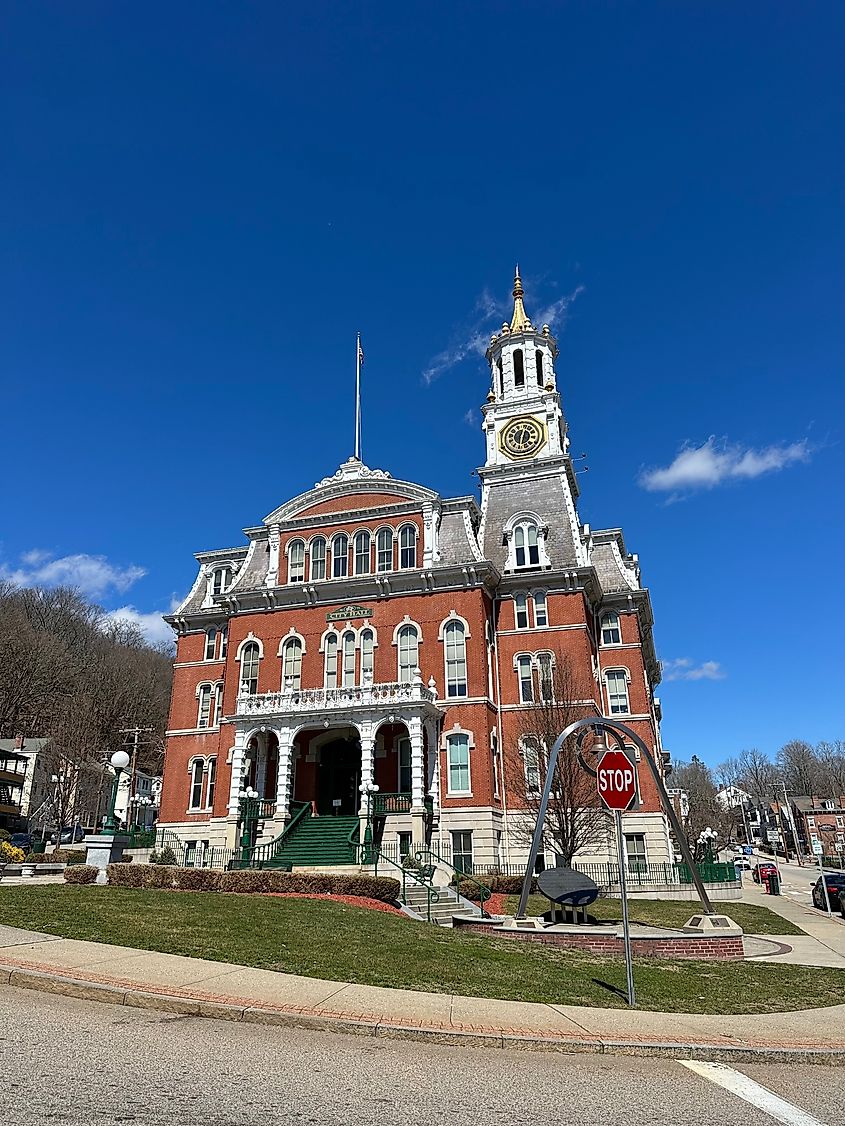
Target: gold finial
519,321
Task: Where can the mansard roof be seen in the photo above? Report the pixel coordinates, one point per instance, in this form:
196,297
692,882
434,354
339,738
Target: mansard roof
618,571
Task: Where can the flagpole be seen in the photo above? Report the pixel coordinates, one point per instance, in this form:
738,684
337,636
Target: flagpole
358,399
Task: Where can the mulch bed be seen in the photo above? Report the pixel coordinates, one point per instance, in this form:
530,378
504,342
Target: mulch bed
349,900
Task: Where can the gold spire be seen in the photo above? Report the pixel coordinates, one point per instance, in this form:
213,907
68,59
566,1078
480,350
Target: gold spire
520,321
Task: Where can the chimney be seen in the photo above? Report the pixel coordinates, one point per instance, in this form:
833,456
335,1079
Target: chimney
19,739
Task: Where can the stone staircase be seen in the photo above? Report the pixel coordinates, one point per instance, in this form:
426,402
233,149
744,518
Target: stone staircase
447,904
317,842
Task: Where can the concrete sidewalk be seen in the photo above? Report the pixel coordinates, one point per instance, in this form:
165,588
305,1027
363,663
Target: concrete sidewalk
823,941
139,978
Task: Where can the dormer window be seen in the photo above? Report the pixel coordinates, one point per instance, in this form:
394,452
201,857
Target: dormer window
526,545
221,580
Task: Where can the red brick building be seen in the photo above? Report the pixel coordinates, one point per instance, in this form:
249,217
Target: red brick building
373,632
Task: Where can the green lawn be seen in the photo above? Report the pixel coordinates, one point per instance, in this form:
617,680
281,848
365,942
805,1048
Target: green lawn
671,913
321,938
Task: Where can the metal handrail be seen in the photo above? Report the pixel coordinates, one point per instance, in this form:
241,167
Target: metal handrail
260,854
355,846
432,894
485,891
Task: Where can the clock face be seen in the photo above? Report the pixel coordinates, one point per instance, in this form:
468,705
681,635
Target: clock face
522,437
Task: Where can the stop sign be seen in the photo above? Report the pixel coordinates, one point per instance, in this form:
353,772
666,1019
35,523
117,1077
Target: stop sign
616,778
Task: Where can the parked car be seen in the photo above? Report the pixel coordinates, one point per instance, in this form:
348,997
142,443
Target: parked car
762,871
21,840
743,862
835,891
69,836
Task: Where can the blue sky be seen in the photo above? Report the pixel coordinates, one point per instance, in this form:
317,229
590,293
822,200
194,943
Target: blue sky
202,204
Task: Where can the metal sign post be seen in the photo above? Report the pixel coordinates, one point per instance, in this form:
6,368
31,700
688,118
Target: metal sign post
626,928
818,849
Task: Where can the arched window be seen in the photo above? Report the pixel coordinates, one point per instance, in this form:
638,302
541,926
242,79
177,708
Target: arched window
526,681
408,547
296,561
611,633
331,660
340,556
617,691
384,549
541,617
250,656
520,610
538,363
526,545
409,653
221,579
210,782
500,375
224,640
367,642
195,800
292,664
210,643
531,764
204,710
318,558
348,659
518,368
545,666
362,553
454,636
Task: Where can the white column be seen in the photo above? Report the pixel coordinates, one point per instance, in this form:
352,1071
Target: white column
261,763
367,766
235,785
415,730
283,794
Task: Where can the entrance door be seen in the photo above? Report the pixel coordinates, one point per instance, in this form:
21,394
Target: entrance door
337,778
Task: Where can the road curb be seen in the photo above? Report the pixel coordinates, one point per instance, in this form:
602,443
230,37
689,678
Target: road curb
173,1002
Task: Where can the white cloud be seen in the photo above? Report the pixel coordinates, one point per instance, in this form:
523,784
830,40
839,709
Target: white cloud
92,574
471,417
152,626
718,461
473,335
682,668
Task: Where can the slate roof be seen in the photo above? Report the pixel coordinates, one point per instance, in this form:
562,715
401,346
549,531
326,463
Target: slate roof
546,497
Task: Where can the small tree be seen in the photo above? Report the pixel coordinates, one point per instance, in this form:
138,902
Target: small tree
574,818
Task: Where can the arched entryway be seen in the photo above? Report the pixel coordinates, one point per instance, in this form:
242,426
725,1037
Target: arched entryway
327,771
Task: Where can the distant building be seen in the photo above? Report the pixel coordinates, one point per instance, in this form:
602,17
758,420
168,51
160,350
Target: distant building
138,799
820,821
88,790
13,768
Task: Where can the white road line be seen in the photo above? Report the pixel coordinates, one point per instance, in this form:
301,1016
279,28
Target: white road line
745,1088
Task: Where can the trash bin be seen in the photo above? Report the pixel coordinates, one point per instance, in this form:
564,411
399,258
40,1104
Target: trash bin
773,882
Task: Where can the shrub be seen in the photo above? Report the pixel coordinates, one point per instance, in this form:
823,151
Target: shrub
254,880
81,874
58,856
249,880
166,856
5,835
505,885
9,854
197,879
153,857
141,875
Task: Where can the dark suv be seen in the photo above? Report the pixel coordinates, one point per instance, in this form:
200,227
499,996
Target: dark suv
835,891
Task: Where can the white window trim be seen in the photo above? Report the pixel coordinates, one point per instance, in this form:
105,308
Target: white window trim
205,684
605,673
250,637
196,759
288,545
444,745
521,594
416,531
207,772
453,616
291,635
384,528
545,596
526,518
610,644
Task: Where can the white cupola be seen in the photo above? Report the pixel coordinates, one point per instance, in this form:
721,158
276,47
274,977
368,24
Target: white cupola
521,357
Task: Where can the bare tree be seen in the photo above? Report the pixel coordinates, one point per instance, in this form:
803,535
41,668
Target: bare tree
705,810
831,760
574,819
800,768
758,773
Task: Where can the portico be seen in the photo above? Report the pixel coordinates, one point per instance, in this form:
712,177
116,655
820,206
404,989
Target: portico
324,746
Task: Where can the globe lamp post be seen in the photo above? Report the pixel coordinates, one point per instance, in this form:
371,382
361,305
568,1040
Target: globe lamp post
368,788
119,761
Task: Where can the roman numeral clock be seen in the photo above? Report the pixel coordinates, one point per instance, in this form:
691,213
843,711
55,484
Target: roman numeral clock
522,437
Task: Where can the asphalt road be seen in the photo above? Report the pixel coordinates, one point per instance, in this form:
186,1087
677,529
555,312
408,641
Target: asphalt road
79,1062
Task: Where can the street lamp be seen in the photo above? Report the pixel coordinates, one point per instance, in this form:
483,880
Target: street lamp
368,788
249,814
706,839
119,761
141,804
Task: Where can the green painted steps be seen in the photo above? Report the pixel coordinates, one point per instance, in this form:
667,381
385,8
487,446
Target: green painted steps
317,840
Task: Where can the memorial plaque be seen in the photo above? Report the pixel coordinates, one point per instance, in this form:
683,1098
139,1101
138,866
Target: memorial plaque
565,885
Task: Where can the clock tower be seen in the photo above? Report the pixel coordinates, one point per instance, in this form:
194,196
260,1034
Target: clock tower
528,468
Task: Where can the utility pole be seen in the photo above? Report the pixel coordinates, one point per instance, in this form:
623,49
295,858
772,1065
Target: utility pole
792,825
